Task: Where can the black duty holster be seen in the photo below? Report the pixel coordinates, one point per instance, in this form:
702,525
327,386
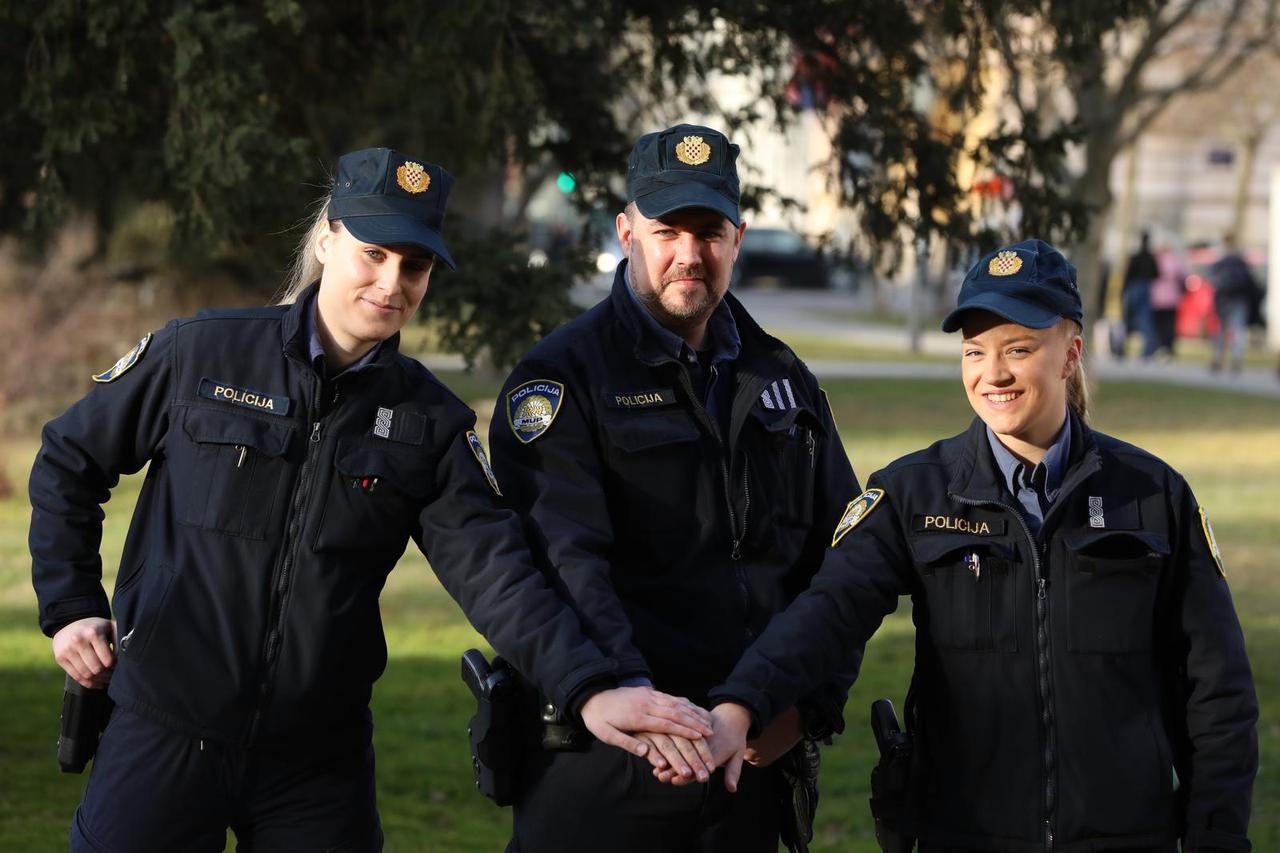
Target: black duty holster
85,712
799,769
495,730
889,778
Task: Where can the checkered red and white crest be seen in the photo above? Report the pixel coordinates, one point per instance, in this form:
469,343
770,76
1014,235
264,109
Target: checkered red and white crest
412,178
1005,263
693,151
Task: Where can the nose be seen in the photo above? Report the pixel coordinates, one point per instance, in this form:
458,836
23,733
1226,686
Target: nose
996,371
688,250
390,277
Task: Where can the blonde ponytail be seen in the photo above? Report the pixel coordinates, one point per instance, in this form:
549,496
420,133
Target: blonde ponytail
305,268
1077,382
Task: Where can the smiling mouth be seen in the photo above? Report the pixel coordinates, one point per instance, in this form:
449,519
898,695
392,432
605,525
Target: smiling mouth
379,306
1003,397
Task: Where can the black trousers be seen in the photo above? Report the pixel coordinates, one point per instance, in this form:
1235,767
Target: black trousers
155,791
607,799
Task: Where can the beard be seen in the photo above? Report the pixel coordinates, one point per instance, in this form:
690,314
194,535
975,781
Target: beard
675,310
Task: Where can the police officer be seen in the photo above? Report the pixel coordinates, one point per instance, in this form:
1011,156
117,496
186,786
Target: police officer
679,472
293,452
1081,680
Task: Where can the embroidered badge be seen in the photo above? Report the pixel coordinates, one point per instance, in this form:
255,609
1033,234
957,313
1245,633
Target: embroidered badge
1212,540
778,396
478,449
258,401
693,151
412,178
532,407
126,361
1005,263
858,509
382,423
1096,518
642,399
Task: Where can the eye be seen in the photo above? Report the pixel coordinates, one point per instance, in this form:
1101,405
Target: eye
1019,351
972,353
374,254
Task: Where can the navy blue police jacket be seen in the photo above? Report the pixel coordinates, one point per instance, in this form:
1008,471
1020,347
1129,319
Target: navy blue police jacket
274,506
675,540
1084,689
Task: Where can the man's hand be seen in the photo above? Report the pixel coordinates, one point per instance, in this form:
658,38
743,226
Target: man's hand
673,756
85,649
728,745
777,739
610,714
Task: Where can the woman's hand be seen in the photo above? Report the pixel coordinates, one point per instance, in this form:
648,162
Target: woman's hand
85,649
611,714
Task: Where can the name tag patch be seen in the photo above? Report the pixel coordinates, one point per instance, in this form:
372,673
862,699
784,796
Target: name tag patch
956,524
258,401
642,399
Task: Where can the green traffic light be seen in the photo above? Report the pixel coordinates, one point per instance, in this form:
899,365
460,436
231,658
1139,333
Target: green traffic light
565,182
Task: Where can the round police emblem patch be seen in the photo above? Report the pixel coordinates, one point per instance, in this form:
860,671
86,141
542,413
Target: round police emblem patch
126,361
532,407
858,509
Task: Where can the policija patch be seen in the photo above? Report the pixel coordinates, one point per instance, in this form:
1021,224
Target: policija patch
1212,540
532,407
126,361
858,509
258,401
478,450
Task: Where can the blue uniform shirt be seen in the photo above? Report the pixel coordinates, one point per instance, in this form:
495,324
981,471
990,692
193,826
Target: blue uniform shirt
1037,487
710,370
316,350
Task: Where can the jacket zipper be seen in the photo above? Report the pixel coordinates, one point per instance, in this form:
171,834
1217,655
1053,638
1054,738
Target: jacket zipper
1044,681
283,571
735,535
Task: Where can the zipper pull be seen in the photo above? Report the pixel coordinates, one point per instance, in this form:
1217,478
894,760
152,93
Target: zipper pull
243,451
736,553
1040,591
315,432
808,434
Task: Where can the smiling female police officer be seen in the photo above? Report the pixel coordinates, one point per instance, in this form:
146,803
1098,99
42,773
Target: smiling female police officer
1081,681
293,452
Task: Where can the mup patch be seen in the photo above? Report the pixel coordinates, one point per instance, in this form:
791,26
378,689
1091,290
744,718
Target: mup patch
532,407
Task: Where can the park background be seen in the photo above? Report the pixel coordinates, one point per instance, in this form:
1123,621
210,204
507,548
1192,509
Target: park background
160,157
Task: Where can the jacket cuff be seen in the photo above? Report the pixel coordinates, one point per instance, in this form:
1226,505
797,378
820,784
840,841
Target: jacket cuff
820,718
1210,841
575,701
60,614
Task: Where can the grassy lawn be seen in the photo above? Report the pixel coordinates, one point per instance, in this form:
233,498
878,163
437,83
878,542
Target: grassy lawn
1228,446
812,348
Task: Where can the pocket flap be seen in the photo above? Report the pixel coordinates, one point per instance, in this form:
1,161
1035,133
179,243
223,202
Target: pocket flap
1123,544
776,421
651,429
937,546
210,426
403,469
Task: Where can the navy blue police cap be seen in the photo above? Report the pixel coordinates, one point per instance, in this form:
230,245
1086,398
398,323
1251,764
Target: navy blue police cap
388,198
684,166
1029,283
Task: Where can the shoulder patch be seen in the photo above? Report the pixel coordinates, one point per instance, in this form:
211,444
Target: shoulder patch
1212,541
126,361
858,509
477,449
532,407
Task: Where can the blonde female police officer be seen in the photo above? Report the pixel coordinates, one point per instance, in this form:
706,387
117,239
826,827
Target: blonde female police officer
293,452
1081,681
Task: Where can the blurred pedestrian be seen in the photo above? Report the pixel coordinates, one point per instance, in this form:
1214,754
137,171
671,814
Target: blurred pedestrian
1135,297
1235,291
1166,295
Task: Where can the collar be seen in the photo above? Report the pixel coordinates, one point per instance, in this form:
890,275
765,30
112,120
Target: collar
976,476
297,330
656,343
1054,462
315,349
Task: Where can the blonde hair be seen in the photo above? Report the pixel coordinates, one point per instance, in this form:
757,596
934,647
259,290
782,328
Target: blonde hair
1077,382
305,268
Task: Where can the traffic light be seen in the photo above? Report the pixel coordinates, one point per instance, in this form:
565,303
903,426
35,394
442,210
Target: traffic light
566,182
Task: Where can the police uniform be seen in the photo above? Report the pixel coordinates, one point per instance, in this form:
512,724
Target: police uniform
679,502
1081,682
277,500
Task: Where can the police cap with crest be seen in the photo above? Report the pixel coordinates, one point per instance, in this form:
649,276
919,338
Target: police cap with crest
388,198
1029,283
684,166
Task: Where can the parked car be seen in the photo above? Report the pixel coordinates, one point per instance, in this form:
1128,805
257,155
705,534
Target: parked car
776,257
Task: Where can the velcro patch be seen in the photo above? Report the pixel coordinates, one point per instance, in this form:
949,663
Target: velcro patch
125,362
532,407
641,399
858,509
477,448
955,524
258,401
399,425
1213,541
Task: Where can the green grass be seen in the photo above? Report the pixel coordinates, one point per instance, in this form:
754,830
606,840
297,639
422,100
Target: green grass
1227,445
811,347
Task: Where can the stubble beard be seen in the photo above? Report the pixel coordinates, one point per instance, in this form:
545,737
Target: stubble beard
684,314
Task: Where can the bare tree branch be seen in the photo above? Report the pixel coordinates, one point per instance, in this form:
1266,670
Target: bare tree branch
1157,31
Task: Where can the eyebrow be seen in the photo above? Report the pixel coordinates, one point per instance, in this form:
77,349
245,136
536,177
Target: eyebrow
1003,341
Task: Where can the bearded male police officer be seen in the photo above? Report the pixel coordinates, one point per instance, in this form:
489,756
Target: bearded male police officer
679,471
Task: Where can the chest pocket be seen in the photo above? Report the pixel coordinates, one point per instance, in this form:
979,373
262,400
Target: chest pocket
969,588
1112,581
784,457
230,471
376,490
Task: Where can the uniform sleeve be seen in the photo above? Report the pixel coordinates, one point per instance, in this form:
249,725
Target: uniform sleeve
835,485
113,430
1222,707
556,483
822,634
476,548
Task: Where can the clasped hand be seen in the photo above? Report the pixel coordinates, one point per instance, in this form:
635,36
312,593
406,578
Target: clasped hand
682,741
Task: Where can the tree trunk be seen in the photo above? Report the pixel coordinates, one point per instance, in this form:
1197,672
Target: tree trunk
1248,156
